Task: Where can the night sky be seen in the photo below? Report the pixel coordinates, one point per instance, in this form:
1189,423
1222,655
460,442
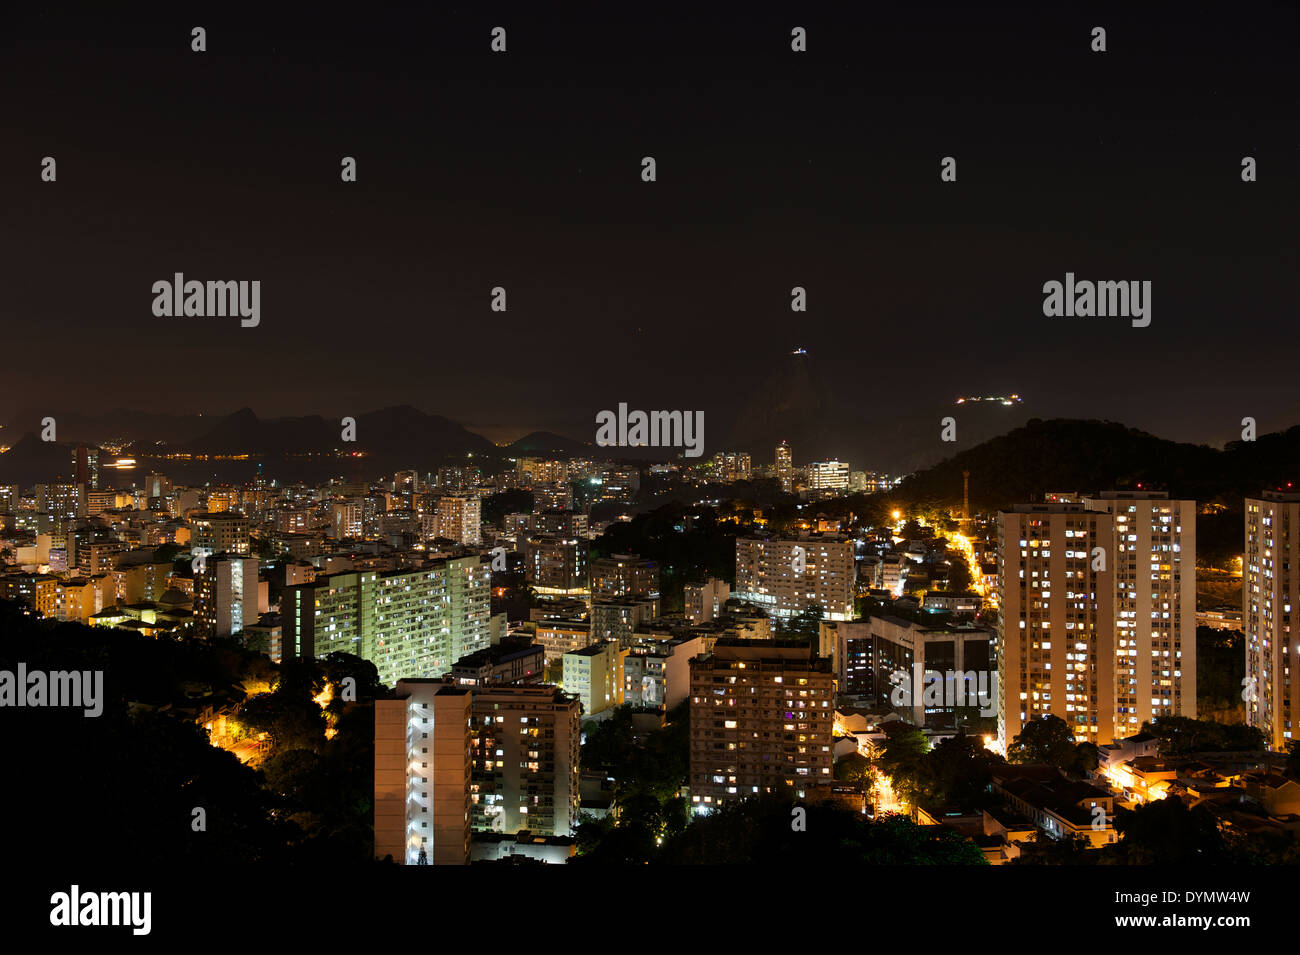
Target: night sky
775,169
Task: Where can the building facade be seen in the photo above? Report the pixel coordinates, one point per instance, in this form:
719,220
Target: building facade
1097,620
594,674
762,716
410,623
461,519
1271,570
525,769
785,467
423,759
784,576
225,596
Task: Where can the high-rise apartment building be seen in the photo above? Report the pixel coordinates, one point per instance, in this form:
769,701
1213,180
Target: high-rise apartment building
1271,571
79,598
406,482
85,463
619,484
409,623
557,497
557,565
558,637
460,519
762,715
873,656
38,593
348,518
221,499
785,575
1097,614
785,467
534,471
657,673
97,502
225,596
1056,626
1153,561
156,485
511,660
525,767
58,507
732,466
423,758
617,618
225,532
558,522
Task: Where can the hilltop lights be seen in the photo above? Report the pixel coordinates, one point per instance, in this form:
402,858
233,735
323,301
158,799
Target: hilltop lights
1005,400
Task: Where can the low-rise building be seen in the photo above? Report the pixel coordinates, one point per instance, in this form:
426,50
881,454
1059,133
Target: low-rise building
1062,808
657,673
595,675
513,660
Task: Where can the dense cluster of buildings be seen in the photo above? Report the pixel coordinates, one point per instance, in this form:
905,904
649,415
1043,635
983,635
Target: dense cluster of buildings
1081,606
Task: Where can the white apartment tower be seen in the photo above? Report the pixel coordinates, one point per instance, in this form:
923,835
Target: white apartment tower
423,754
1154,566
1271,588
1097,621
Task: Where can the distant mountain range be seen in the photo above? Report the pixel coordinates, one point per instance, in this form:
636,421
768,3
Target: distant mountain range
401,430
390,439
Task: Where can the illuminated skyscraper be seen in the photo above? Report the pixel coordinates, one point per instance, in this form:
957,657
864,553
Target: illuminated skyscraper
785,466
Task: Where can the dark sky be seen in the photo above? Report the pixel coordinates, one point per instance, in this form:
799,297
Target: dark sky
775,169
